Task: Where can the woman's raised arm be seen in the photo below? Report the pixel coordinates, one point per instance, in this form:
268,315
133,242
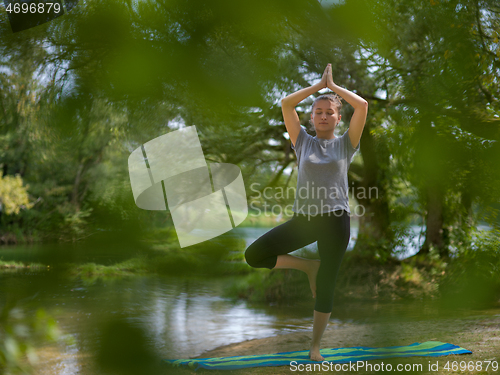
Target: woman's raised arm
288,104
359,104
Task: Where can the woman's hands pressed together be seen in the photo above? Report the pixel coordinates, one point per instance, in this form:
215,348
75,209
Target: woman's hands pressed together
324,78
327,77
359,104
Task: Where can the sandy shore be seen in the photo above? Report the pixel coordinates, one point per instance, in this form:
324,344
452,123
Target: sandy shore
479,334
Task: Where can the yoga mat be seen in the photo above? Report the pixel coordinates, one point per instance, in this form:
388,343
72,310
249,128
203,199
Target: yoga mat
340,355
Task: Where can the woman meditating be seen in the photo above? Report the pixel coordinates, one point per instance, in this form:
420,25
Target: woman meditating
321,207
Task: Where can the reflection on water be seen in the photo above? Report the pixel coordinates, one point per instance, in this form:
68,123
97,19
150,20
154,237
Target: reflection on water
183,317
194,319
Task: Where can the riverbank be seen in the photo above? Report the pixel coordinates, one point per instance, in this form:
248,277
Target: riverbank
477,333
461,281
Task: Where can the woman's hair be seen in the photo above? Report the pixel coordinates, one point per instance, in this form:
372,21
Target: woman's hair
334,98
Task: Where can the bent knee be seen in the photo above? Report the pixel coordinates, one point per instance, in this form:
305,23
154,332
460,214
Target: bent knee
250,258
256,260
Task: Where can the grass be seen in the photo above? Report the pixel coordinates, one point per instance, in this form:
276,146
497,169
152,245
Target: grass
13,265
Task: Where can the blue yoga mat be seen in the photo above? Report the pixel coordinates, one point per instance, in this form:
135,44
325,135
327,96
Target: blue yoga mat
340,355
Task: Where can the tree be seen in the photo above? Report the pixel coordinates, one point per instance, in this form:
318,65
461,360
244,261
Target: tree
436,70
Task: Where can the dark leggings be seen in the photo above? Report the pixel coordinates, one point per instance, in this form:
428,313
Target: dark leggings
332,231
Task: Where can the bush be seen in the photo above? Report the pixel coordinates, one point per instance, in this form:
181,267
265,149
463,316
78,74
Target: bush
263,285
473,275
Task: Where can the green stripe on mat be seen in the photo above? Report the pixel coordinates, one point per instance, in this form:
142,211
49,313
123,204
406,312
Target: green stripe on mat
339,355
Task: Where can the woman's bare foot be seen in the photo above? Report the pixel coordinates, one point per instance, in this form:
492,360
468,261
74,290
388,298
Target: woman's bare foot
315,355
312,273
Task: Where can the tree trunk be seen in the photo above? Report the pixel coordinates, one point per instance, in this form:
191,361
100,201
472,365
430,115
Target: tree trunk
435,233
76,185
374,235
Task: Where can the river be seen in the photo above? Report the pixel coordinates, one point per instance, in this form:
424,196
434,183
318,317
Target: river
181,317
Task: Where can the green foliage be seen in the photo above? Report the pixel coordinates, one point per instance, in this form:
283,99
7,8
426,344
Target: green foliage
13,195
161,255
473,275
20,333
89,273
264,286
74,225
410,279
222,255
432,88
125,348
17,265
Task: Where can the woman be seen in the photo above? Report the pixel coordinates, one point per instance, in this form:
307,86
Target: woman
321,208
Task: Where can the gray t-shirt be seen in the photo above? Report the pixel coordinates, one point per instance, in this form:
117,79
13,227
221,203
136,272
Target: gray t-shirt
322,181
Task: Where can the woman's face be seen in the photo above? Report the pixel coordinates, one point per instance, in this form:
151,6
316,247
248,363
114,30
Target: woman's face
325,116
